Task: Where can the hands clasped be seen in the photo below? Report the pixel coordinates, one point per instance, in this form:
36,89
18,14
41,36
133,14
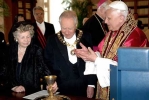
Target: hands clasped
18,89
87,54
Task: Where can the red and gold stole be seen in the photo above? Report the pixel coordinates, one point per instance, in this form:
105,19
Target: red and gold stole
116,39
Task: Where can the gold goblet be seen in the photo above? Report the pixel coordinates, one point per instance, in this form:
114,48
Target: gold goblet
50,81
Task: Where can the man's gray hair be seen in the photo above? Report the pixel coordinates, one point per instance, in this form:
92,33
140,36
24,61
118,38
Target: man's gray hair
37,8
69,14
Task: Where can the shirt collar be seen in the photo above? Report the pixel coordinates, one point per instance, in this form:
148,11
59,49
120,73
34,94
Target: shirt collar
40,23
71,40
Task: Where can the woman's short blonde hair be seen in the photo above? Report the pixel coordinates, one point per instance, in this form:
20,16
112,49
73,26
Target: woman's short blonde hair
23,28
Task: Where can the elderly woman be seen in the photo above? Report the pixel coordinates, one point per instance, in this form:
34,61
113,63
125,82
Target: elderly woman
26,62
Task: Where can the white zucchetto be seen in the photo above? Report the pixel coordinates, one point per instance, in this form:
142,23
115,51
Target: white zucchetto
120,5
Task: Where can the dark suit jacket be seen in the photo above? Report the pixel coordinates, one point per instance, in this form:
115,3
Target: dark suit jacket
56,57
49,30
3,59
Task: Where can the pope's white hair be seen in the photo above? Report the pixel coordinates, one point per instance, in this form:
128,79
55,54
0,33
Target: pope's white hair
122,12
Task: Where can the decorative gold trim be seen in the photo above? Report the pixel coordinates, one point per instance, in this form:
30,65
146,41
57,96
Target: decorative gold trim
64,97
69,45
119,39
72,52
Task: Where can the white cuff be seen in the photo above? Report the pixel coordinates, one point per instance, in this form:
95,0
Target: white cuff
90,68
92,86
103,70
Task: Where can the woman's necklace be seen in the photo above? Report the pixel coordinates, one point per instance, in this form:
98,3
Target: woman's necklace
72,46
21,53
20,50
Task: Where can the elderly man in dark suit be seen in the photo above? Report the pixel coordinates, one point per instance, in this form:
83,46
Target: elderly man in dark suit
42,29
60,58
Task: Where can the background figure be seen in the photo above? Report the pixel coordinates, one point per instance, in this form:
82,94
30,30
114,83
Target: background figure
18,18
3,60
139,22
84,20
60,58
2,41
95,24
123,33
26,62
42,29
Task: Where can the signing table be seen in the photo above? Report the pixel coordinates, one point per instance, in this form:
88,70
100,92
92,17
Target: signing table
9,95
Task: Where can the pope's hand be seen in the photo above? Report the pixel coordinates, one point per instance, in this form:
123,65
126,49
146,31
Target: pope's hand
87,54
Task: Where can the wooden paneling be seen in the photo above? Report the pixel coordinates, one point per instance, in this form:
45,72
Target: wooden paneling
27,6
23,7
142,8
8,21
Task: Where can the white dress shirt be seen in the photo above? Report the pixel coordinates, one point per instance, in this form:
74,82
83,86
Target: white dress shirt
72,58
41,27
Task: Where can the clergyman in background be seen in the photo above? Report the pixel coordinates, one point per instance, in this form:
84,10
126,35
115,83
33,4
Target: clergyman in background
95,24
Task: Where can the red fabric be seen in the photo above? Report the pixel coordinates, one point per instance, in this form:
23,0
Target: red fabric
101,2
136,39
95,48
41,38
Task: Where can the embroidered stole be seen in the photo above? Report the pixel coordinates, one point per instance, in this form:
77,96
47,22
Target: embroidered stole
111,45
41,38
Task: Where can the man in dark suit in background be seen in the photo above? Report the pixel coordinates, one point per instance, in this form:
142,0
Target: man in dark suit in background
42,29
139,22
60,57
